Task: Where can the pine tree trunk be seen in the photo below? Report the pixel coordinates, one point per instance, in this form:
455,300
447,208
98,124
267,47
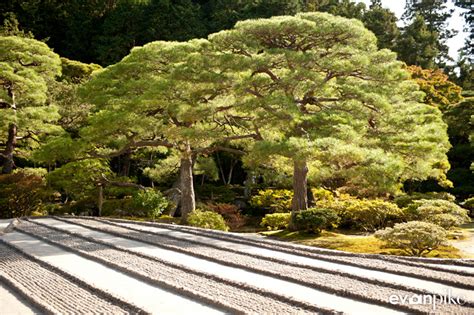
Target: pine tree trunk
300,197
100,200
8,163
188,203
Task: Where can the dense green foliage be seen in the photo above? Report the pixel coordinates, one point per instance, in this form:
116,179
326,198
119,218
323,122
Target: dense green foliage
21,193
435,14
416,238
151,202
207,220
404,201
307,97
273,200
363,214
324,105
314,220
27,67
444,213
276,221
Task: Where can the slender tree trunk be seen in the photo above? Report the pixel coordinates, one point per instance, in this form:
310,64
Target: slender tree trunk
300,181
100,199
221,168
188,203
232,165
311,199
8,163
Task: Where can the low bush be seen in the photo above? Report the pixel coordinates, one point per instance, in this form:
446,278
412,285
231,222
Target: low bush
121,207
315,219
207,220
276,221
416,238
364,214
469,205
22,193
404,201
230,213
165,218
151,201
273,200
322,194
444,213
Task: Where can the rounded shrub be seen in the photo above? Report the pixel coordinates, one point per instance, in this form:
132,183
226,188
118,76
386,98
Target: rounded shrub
273,200
444,213
276,221
315,219
207,220
405,200
151,201
364,214
416,238
22,193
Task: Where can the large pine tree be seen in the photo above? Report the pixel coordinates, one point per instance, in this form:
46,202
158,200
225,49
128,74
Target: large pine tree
26,68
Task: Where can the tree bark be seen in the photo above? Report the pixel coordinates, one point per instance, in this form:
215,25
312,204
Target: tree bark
300,195
8,163
188,203
125,164
100,199
300,181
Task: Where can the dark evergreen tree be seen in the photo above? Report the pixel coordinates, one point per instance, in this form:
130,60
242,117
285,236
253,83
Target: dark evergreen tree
383,23
435,14
418,45
345,8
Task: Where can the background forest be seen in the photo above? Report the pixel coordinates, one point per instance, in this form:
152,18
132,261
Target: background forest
78,139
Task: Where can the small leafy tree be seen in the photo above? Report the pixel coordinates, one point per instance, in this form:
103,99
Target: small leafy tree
416,238
439,91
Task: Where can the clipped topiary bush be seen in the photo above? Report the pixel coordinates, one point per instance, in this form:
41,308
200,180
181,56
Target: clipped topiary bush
151,201
444,213
364,214
404,201
207,220
315,219
273,200
276,221
416,238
